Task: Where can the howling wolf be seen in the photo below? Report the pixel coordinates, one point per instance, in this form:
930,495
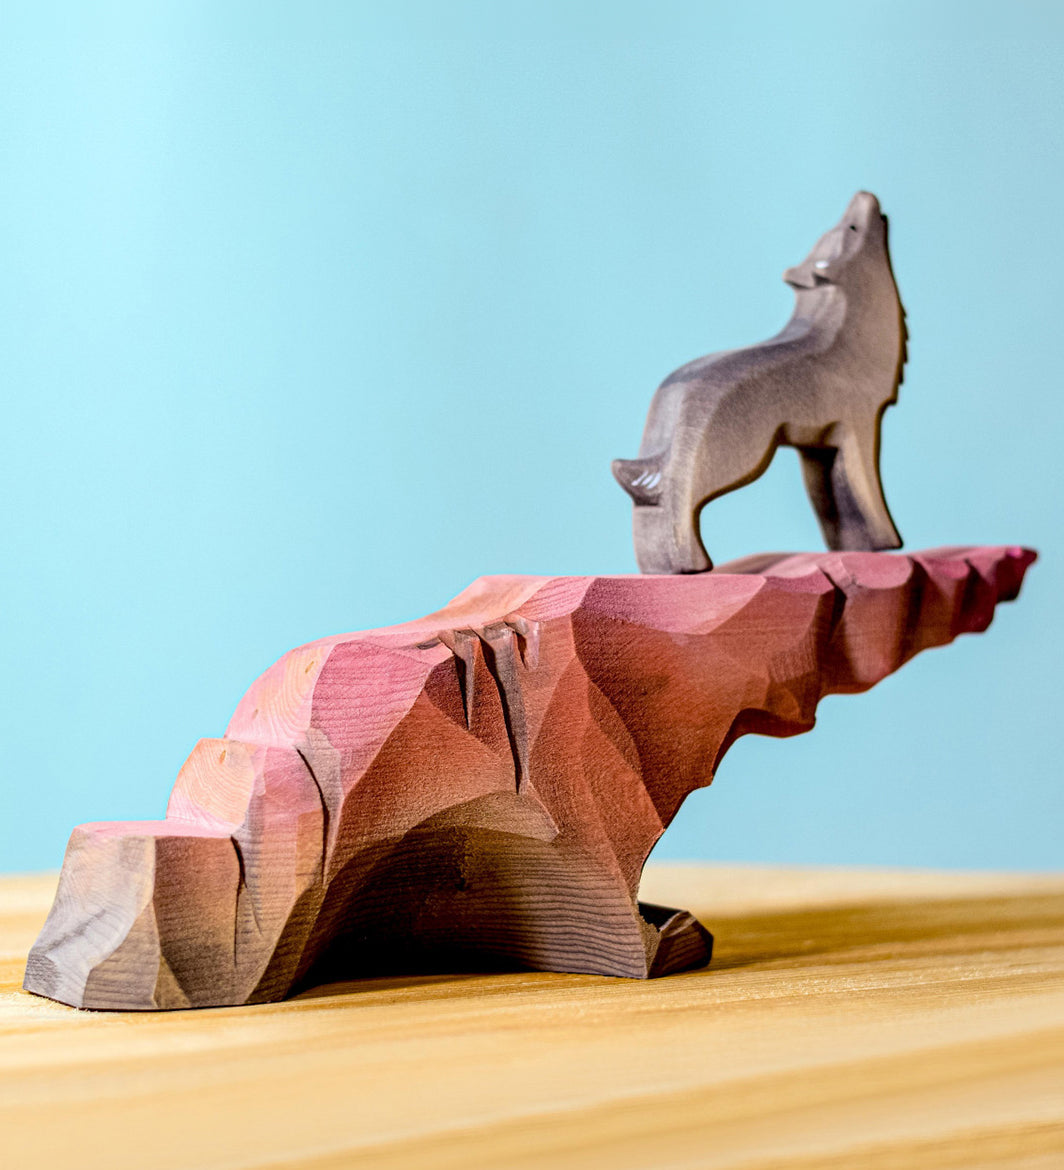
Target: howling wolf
820,385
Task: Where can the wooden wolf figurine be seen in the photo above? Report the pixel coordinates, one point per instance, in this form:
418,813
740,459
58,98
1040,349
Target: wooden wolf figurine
820,385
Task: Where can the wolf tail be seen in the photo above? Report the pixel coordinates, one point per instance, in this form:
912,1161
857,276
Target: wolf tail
641,478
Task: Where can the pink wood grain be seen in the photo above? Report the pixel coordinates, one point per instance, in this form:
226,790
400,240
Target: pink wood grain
483,785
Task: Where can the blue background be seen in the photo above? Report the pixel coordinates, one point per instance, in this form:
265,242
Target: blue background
311,314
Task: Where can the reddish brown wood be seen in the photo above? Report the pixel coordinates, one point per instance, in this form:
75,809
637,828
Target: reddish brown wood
484,785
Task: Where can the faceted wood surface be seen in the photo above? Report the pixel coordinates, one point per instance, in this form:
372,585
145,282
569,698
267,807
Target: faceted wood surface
482,787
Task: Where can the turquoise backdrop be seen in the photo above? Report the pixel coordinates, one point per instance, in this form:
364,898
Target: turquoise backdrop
312,313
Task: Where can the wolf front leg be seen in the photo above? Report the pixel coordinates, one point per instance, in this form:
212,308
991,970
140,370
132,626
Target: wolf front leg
843,484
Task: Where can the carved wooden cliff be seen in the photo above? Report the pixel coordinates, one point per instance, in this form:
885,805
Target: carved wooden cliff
484,785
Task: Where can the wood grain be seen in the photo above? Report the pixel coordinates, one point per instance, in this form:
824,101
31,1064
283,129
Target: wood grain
481,787
895,1021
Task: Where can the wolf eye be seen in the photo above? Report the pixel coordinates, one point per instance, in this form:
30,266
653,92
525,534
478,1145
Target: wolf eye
853,227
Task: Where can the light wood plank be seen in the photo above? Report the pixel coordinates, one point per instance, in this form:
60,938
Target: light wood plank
850,1019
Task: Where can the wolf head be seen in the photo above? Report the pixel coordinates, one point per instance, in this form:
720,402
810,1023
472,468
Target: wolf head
842,254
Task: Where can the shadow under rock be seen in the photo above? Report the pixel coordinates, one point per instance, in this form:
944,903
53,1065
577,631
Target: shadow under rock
792,937
906,926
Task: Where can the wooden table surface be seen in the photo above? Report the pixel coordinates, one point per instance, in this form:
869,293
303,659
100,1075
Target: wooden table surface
850,1018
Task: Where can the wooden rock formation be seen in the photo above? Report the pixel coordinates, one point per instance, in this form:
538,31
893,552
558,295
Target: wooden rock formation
821,385
482,786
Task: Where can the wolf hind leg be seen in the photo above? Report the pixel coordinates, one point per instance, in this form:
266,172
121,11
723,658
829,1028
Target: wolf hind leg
667,538
843,484
664,525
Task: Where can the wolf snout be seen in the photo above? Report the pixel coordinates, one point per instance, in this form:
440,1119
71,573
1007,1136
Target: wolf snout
799,277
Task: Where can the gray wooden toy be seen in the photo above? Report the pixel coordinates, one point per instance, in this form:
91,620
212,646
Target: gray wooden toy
821,385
